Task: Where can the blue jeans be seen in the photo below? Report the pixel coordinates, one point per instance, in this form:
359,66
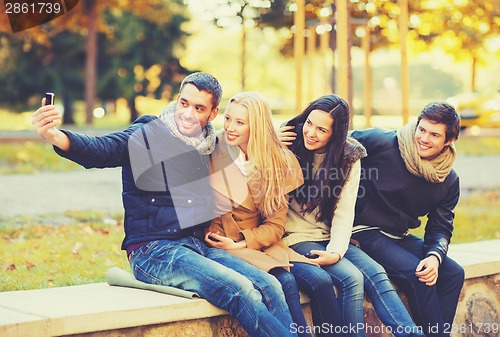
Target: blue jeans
353,274
385,300
253,297
316,283
292,297
349,283
432,307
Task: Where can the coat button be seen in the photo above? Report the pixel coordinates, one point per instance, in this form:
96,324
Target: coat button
190,201
153,200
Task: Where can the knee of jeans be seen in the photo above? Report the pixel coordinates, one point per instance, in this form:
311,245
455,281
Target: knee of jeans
378,276
322,284
286,279
354,281
378,282
458,275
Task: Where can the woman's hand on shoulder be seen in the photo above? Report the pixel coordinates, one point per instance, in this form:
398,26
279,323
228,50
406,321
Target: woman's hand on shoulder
325,258
285,135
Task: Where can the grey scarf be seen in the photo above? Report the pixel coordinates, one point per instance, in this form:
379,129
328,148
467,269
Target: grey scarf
204,143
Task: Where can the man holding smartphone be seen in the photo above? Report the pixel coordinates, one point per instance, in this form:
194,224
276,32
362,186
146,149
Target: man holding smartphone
167,204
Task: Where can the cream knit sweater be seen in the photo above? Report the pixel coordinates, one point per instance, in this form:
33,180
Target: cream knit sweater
304,227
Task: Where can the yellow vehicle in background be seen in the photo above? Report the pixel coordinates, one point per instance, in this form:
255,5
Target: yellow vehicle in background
477,109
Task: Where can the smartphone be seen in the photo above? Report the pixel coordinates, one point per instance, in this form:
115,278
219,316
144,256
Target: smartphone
49,98
213,239
311,255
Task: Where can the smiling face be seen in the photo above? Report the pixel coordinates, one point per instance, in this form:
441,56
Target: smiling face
237,126
430,138
193,110
317,131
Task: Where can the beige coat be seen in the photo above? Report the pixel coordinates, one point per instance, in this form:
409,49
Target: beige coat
243,221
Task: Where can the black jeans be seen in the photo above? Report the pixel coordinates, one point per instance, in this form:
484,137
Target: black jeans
432,307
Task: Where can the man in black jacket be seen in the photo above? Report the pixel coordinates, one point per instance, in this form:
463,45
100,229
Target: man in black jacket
408,174
168,202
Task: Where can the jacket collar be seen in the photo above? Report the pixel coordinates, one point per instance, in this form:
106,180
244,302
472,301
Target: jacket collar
226,178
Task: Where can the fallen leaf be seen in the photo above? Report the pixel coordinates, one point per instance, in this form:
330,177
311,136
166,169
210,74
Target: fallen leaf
11,267
29,265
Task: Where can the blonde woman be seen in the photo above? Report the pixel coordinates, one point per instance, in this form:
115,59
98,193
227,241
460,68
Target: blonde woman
253,173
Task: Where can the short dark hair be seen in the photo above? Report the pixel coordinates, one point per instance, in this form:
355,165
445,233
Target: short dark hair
440,112
205,82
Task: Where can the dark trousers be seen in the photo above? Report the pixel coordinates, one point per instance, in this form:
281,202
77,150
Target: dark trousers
432,307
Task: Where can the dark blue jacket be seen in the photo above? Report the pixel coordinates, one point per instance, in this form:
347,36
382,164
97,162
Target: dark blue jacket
391,198
165,190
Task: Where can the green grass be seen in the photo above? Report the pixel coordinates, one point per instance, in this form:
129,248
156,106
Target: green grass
477,218
37,253
31,157
478,146
13,121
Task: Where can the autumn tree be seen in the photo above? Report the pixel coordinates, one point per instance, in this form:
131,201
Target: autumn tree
88,21
138,57
464,29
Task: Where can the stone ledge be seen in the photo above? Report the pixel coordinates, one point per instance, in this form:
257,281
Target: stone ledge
85,309
478,258
92,307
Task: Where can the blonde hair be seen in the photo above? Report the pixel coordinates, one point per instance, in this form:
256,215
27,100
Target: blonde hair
272,160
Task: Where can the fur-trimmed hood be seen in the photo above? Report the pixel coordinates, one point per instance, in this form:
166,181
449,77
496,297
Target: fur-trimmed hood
353,150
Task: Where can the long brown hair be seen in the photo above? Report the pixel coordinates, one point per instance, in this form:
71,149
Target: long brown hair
317,191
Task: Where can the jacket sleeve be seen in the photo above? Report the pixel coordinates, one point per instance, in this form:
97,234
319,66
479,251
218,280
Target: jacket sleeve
343,217
439,228
269,232
100,151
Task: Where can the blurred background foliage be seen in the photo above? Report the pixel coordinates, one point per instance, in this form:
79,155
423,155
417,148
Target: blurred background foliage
123,54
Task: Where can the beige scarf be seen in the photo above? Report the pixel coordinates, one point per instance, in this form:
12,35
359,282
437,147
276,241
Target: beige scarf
434,170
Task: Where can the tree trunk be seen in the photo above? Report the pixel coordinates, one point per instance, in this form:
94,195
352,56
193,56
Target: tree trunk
68,117
473,72
243,51
91,61
134,114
